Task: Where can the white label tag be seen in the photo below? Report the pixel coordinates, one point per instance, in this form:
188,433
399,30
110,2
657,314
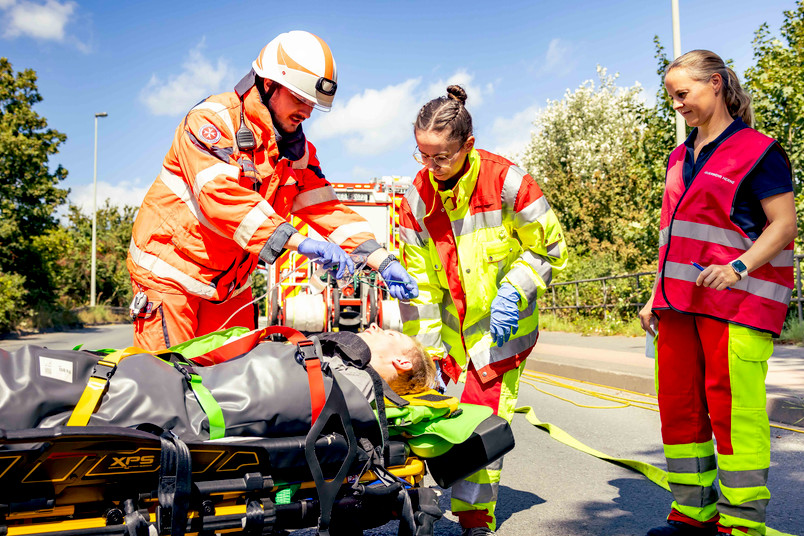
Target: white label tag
58,369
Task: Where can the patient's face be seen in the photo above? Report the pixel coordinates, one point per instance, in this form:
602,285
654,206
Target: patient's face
385,345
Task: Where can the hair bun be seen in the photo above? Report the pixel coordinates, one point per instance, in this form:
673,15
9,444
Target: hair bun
457,93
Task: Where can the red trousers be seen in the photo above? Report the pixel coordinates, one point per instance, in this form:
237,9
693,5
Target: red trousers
175,318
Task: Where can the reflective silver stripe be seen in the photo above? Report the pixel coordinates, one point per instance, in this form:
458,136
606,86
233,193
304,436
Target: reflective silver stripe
253,220
474,222
484,324
541,265
512,185
532,212
161,269
205,175
554,250
417,207
495,466
182,190
483,356
751,510
691,465
450,320
221,110
691,495
758,287
419,311
743,479
314,197
717,235
472,493
521,277
410,236
347,231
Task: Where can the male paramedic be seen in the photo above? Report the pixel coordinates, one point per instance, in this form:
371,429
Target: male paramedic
239,166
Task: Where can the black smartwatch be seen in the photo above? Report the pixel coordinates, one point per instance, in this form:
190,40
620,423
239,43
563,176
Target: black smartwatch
739,268
388,260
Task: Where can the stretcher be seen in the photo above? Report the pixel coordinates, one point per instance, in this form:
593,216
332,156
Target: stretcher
338,476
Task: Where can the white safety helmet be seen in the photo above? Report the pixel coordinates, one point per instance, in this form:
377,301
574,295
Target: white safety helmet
303,63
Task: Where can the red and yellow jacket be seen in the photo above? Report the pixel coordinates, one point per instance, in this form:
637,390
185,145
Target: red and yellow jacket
460,245
214,210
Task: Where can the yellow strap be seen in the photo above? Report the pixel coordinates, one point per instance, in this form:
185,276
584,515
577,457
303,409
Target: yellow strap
95,388
654,474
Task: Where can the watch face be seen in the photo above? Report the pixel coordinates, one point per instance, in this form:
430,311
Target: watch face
738,266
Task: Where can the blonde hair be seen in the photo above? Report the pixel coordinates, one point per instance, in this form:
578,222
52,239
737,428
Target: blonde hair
700,65
421,376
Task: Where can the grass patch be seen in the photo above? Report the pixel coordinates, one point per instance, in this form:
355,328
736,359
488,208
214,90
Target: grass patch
792,332
613,325
102,314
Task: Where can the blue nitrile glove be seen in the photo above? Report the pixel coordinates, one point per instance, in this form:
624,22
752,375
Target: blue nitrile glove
504,314
327,255
400,285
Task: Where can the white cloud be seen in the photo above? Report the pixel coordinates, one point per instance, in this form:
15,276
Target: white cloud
119,194
199,78
511,135
475,94
558,58
45,21
379,120
372,122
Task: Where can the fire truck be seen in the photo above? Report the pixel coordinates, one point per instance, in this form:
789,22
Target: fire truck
304,297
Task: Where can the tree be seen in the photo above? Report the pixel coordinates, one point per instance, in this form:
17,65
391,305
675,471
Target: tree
776,84
595,154
29,193
66,252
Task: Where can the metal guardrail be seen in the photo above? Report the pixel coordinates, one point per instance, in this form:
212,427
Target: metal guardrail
638,288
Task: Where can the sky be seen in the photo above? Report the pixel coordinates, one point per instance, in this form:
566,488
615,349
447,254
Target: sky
146,63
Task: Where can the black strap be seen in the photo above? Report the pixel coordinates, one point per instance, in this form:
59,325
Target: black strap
175,485
136,524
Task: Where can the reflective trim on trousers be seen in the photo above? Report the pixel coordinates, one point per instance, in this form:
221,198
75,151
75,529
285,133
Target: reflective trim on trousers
316,196
691,465
692,495
743,479
253,221
163,270
752,285
751,511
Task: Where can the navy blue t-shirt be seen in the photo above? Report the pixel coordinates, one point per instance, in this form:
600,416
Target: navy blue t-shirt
769,177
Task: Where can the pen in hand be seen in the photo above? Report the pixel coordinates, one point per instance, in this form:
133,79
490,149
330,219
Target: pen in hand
701,268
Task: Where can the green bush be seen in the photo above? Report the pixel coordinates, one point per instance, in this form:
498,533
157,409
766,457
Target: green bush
12,292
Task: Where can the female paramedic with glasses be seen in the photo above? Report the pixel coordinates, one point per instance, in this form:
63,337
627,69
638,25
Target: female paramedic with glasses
481,241
724,284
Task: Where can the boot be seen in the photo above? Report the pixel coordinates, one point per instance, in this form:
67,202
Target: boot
477,531
678,528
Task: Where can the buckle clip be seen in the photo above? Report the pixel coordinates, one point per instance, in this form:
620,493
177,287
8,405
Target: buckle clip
104,370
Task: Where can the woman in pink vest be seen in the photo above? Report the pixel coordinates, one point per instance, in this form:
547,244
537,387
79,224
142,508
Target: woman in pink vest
722,291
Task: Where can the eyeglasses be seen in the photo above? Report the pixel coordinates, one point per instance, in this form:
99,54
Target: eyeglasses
438,160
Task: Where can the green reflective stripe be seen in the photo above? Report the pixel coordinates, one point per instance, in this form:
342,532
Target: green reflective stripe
691,465
698,514
690,450
217,426
743,479
693,495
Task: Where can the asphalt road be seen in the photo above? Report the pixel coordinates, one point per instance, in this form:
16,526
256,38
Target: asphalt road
551,489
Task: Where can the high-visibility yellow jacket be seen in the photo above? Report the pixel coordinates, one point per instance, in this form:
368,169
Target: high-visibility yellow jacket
495,227
214,210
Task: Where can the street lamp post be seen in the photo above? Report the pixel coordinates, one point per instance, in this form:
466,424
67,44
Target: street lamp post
94,213
681,129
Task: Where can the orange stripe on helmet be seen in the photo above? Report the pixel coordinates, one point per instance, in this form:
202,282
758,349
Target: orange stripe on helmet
329,62
282,58
259,57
